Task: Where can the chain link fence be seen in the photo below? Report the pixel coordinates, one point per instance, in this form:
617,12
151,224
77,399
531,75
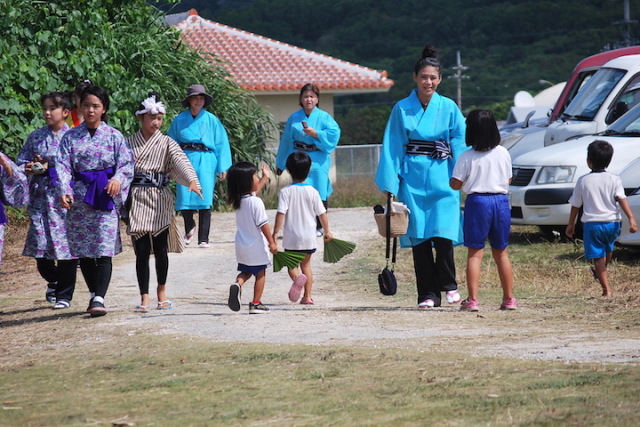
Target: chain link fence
357,161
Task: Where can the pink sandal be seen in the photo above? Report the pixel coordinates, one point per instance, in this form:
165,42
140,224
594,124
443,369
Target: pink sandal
310,302
296,287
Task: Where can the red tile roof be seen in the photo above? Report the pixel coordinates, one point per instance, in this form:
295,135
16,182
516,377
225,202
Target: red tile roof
260,64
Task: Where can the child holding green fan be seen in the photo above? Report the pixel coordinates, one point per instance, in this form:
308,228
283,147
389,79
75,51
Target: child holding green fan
253,237
298,206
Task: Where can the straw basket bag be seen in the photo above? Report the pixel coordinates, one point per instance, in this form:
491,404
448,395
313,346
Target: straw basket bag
399,221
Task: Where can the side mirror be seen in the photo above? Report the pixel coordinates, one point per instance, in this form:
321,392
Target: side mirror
618,111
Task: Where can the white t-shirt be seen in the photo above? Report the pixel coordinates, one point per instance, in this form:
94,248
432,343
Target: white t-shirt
484,171
596,192
252,248
301,204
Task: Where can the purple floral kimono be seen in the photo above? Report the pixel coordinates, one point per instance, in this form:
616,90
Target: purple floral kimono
13,191
85,165
47,235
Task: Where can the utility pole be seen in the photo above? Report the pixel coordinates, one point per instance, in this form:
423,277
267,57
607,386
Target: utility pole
459,76
626,27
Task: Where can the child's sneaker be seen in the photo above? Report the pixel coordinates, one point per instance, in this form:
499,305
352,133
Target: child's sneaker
509,304
453,297
258,308
296,287
470,305
189,236
234,297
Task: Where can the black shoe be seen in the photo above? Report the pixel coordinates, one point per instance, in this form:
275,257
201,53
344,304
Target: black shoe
96,309
234,297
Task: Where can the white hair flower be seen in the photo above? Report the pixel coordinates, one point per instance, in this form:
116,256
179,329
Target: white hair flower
151,106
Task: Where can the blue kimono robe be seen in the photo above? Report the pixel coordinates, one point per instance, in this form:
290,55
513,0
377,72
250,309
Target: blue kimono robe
205,129
328,137
421,182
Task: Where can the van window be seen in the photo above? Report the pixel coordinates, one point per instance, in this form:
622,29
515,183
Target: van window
589,100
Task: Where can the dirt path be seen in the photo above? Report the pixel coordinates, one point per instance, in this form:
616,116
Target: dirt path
348,310
353,315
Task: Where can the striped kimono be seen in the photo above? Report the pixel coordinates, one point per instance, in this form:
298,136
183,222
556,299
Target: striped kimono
152,208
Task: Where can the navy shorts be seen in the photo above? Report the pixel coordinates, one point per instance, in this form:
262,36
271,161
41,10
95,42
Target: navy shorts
253,269
487,215
302,251
599,238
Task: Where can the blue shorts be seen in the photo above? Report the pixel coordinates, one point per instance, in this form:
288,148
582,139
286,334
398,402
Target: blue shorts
487,215
253,269
599,238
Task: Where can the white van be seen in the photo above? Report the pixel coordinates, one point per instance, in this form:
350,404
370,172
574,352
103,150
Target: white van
520,140
612,91
543,179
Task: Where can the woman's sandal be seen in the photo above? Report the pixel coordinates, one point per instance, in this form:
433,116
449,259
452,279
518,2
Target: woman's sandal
141,309
165,305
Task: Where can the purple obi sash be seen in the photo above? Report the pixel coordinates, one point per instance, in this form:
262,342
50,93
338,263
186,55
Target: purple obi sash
3,215
96,182
53,175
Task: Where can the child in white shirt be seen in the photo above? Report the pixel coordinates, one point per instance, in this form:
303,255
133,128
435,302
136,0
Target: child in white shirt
253,236
298,206
484,173
597,193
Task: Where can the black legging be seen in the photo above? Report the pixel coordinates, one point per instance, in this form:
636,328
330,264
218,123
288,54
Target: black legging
66,272
97,274
326,206
204,223
47,269
160,248
434,276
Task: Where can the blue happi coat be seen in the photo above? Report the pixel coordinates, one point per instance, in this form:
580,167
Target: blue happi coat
327,140
421,182
206,129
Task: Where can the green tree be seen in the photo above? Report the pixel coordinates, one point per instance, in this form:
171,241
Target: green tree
123,46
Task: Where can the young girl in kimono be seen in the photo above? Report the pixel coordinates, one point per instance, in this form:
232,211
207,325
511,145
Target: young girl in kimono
47,236
95,169
484,173
205,141
315,132
423,138
151,220
253,235
14,191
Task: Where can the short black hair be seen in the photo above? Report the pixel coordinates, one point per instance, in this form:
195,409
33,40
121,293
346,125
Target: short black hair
599,153
239,182
482,130
299,165
59,99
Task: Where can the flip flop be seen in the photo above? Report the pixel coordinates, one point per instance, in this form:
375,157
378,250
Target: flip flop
141,309
161,305
310,302
296,287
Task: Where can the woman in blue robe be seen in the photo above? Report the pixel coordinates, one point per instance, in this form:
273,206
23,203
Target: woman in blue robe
314,131
424,136
206,144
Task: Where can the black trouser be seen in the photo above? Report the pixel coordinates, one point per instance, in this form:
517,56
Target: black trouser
161,253
434,275
326,206
66,273
204,223
97,274
47,269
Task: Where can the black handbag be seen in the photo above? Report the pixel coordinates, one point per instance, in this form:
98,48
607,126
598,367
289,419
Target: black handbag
387,279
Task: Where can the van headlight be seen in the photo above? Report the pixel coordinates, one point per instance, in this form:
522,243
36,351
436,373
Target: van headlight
556,174
511,140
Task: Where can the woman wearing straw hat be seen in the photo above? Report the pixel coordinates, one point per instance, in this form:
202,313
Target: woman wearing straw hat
206,144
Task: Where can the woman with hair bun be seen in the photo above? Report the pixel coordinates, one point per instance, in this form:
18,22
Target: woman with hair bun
424,136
